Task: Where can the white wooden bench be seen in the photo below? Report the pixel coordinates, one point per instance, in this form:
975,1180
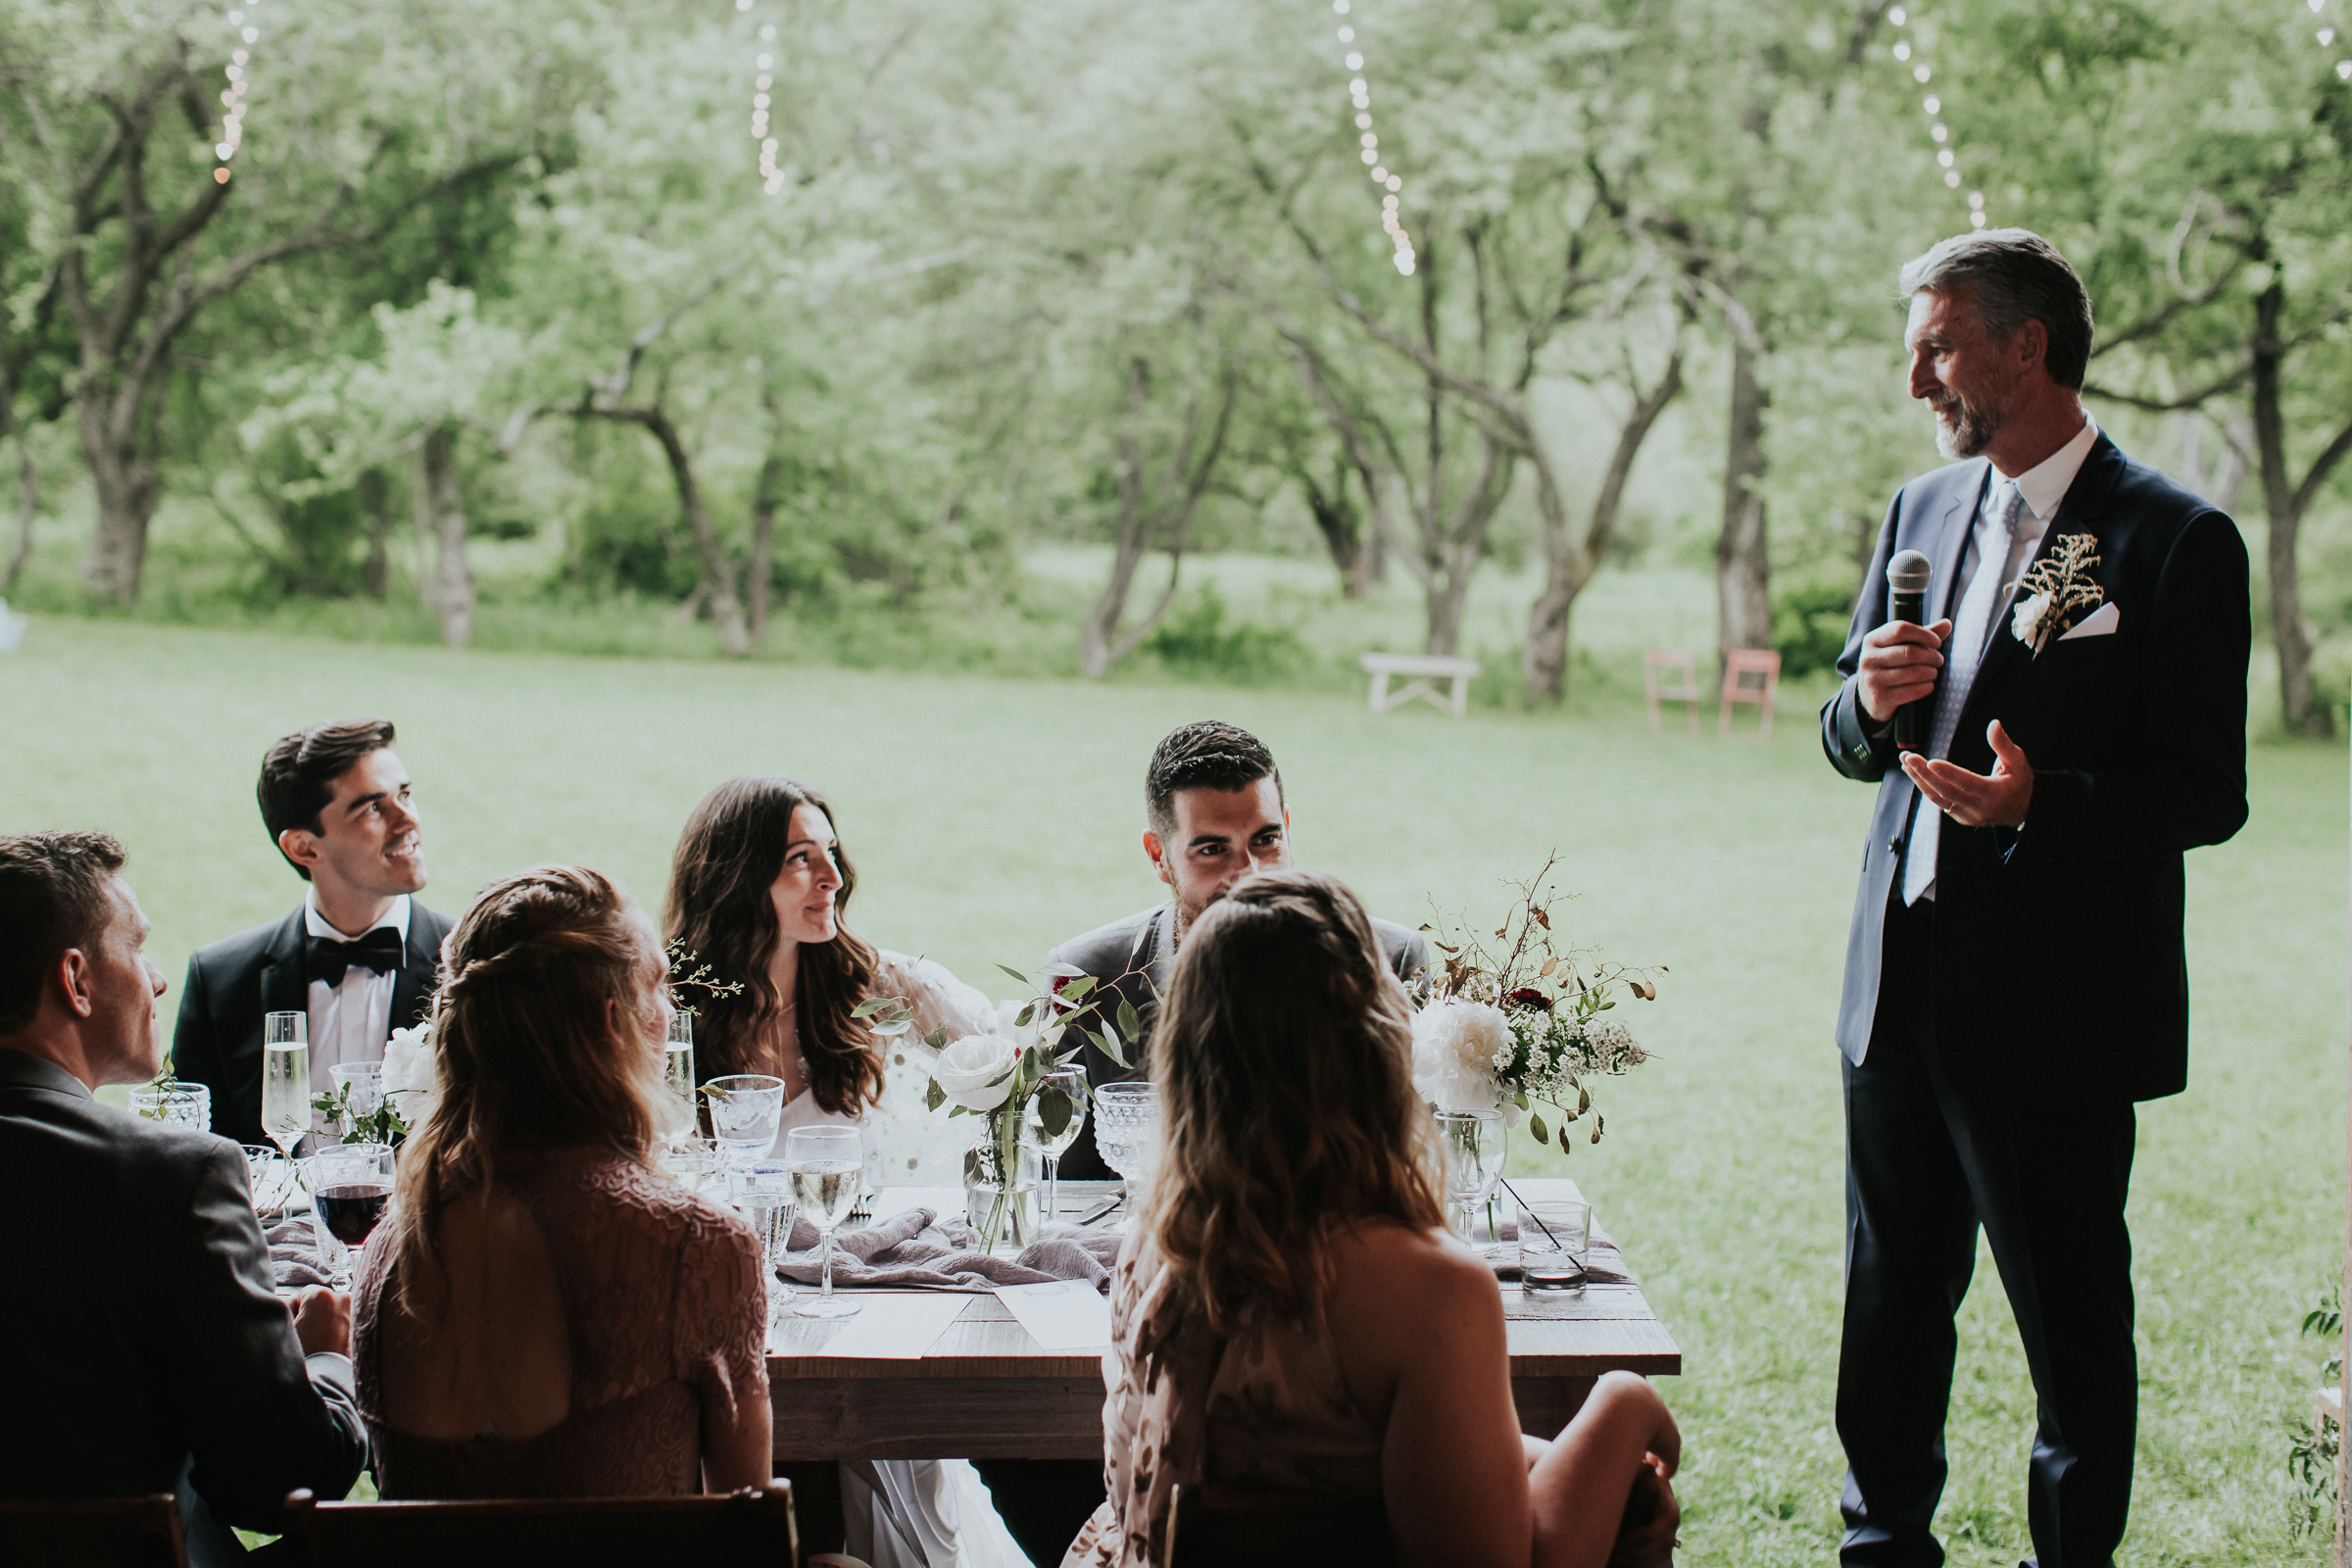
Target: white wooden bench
12,627
1421,672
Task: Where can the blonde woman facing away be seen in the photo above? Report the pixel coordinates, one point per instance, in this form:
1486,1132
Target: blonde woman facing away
543,1315
1290,1314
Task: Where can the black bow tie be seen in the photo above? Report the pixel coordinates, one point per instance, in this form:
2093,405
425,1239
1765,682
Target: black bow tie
377,950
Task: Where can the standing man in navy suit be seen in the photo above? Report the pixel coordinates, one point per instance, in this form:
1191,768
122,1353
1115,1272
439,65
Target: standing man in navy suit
361,956
2015,976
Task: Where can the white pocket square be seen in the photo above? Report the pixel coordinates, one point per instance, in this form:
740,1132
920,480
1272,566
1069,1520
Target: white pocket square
2100,623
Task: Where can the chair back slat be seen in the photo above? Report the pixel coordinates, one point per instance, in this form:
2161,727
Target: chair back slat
91,1533
579,1532
1229,1526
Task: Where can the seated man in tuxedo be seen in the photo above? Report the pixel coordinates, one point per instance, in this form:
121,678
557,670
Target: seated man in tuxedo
142,1346
359,956
1214,813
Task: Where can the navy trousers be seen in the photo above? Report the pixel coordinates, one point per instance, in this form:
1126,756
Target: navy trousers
1936,1145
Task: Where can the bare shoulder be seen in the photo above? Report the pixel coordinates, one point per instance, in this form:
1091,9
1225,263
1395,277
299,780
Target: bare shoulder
1382,1259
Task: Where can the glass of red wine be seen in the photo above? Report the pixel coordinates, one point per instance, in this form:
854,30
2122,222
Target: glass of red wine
351,1189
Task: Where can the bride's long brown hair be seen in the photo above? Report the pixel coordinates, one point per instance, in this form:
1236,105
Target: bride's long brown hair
546,1024
728,857
1284,1062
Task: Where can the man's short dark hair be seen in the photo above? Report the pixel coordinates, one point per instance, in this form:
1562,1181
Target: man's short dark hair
2020,277
54,896
298,776
1208,755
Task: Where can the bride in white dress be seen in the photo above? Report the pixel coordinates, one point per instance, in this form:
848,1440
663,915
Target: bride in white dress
756,892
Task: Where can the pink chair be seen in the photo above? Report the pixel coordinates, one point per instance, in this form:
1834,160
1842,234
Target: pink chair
1655,661
1750,661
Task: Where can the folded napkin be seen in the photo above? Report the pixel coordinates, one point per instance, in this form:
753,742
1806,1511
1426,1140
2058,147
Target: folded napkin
920,1249
294,1256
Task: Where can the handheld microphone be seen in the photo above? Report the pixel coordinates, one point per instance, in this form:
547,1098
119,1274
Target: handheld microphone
1907,577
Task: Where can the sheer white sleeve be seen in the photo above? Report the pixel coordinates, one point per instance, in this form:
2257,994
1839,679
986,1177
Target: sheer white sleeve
920,1147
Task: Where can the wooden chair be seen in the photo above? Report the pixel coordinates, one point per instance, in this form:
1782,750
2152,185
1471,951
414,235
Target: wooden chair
747,1527
1227,1526
1750,661
1655,661
91,1533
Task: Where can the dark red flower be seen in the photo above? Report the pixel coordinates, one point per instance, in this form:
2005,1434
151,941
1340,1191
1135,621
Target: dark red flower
1529,997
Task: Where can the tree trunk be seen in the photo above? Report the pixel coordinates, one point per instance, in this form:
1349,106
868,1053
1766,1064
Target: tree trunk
766,497
1743,570
1101,642
28,502
1569,564
127,495
718,573
1097,637
1342,528
376,500
441,518
2303,712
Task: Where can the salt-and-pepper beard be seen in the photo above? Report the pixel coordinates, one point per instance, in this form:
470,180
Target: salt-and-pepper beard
1978,423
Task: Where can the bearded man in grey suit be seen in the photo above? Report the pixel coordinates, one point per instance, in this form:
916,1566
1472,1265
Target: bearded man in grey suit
2016,977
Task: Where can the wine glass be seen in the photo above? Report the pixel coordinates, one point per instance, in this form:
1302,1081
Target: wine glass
1473,1140
267,1177
1060,1093
1127,1128
826,1163
351,1187
286,1078
763,1194
677,1072
745,1110
360,1086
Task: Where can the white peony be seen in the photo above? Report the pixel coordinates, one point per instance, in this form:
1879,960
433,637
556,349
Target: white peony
976,1071
2025,623
412,1071
1457,1046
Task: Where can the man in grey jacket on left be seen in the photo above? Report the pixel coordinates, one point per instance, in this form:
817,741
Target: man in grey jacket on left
143,1348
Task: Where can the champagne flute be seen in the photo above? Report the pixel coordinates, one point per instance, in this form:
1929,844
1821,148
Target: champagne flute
286,1078
826,1163
1060,1093
677,1073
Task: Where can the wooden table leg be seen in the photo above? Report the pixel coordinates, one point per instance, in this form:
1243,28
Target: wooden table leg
816,1505
1547,1404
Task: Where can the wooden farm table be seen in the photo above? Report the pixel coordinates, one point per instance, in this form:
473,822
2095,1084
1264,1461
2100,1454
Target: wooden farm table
987,1391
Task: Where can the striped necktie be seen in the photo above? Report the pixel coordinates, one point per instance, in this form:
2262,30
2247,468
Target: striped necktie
1970,627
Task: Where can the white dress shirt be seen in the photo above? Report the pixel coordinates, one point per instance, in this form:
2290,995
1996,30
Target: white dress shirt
2043,486
349,1023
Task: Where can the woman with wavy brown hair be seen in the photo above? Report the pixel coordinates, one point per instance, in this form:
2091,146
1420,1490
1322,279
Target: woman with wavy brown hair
760,892
544,1314
1290,1312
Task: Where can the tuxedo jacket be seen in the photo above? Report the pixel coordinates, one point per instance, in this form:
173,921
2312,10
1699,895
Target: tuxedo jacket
1135,959
142,1329
231,984
2058,959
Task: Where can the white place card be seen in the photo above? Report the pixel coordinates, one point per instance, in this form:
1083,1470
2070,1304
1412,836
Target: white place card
1060,1314
890,1327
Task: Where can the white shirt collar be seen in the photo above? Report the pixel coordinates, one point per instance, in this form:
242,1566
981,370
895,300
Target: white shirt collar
397,918
2046,484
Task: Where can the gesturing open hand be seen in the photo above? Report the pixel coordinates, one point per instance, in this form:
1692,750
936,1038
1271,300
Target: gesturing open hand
1998,799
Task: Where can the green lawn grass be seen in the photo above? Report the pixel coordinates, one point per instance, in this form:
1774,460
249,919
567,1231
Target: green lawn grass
991,817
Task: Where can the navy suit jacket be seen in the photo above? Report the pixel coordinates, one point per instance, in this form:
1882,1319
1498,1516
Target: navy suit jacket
232,983
2058,956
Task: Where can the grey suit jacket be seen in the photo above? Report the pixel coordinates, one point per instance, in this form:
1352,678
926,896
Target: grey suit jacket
1135,956
2058,957
139,1329
233,982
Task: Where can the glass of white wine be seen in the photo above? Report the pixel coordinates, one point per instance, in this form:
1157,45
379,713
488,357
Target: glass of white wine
677,1073
286,1078
1061,1094
826,1163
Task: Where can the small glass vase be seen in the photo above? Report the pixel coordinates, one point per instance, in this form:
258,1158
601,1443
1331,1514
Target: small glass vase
996,1207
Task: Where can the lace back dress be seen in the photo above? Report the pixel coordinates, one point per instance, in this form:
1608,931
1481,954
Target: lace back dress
1267,1411
665,1316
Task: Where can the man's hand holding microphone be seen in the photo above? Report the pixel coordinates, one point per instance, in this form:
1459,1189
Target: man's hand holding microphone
1900,659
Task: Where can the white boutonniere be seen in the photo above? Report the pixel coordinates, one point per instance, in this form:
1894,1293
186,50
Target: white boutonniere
2054,595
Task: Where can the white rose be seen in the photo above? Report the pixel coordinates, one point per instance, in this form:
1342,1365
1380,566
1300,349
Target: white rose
1456,1045
976,1071
2025,624
413,1070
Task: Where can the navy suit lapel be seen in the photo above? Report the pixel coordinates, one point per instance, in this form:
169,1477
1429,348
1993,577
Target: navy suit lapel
1959,520
2082,510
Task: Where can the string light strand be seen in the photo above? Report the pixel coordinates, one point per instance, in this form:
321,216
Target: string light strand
2327,37
1390,184
1947,158
771,178
241,87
